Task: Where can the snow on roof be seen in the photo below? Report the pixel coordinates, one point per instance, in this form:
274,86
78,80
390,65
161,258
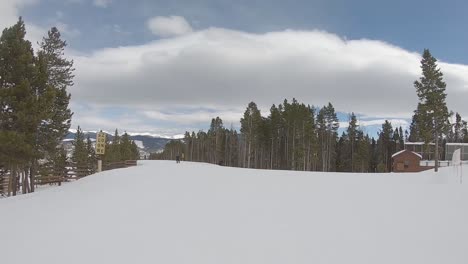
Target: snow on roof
399,152
417,143
457,144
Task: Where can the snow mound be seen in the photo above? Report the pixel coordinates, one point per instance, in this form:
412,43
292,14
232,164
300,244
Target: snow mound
163,212
139,144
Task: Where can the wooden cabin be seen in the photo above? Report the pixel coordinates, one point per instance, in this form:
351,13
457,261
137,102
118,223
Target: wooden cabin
407,161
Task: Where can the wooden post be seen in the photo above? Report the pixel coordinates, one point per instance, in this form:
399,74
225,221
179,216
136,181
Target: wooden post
99,164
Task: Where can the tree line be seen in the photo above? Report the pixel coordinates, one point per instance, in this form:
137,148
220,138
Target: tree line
296,136
118,148
34,103
35,116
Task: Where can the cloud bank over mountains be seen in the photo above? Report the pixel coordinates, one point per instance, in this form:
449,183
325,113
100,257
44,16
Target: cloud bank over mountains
225,69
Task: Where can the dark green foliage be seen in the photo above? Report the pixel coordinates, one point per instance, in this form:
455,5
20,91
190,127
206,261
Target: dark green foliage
113,149
352,137
327,125
80,151
386,145
60,162
128,149
432,114
121,148
292,137
18,119
401,142
217,136
171,150
91,156
250,128
34,110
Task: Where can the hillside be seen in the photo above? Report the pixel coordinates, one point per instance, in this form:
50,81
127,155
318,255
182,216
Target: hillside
162,212
148,143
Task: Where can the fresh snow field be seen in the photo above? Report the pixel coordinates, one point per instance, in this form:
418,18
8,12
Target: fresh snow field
163,212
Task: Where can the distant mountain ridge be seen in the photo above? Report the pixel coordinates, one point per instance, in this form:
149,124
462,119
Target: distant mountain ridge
150,143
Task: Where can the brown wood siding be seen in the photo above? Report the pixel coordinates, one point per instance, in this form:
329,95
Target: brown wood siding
407,161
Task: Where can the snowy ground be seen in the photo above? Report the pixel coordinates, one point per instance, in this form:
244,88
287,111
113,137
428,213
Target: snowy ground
161,212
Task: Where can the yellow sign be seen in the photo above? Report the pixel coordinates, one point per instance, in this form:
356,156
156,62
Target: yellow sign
100,143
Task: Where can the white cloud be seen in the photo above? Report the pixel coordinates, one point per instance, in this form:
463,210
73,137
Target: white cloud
102,3
9,11
224,69
9,14
93,118
68,31
169,26
196,116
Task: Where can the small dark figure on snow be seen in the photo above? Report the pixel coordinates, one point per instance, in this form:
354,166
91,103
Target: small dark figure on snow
177,158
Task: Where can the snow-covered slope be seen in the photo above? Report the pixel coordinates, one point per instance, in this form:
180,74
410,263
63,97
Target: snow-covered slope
162,212
139,144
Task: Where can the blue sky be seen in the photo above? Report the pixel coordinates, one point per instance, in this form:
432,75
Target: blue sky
413,25
209,57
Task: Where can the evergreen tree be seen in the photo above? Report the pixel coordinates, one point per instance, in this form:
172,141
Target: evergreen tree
80,152
135,153
113,149
58,72
18,113
276,126
433,109
60,163
386,141
328,125
342,160
250,124
216,137
363,158
92,159
125,147
352,134
374,156
401,142
310,136
465,131
458,126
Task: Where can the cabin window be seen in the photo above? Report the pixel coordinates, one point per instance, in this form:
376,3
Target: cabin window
407,163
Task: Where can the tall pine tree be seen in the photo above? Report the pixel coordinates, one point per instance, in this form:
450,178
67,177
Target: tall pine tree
433,110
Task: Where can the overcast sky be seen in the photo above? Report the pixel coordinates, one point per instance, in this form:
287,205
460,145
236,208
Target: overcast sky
168,66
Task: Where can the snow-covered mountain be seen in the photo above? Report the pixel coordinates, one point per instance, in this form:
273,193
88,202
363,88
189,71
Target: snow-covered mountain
146,142
163,212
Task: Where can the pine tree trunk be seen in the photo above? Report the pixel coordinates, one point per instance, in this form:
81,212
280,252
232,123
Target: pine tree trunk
26,179
436,168
23,182
247,155
352,155
271,153
32,176
14,181
10,182
293,159
191,150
